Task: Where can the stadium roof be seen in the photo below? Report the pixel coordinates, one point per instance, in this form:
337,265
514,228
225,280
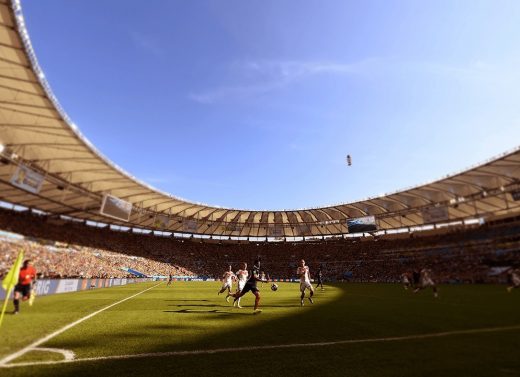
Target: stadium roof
36,132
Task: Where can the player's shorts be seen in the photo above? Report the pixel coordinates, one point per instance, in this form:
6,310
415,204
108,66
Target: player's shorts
305,285
24,289
515,280
427,283
226,285
406,281
249,287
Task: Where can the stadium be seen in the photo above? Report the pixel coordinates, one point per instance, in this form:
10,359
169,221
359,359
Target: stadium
129,274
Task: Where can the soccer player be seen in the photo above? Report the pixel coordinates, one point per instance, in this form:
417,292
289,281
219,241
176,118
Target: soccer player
227,282
426,281
513,277
405,278
262,277
24,286
416,277
319,276
251,286
242,276
170,279
305,281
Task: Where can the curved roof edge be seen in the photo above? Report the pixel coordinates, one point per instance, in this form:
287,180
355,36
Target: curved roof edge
483,189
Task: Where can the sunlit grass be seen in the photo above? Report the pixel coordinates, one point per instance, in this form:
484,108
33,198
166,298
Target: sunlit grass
190,316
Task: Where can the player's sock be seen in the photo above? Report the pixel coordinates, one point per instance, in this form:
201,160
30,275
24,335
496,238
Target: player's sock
32,297
301,302
310,300
16,305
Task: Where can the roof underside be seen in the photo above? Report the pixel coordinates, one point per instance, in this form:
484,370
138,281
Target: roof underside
38,133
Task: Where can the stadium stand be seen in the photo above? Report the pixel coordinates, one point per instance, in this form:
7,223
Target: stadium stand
455,255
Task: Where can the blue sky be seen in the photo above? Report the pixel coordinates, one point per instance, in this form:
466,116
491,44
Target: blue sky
255,104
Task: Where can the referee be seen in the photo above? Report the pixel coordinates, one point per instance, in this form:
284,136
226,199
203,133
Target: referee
24,286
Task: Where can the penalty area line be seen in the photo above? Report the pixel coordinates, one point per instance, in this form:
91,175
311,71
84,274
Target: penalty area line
269,347
30,347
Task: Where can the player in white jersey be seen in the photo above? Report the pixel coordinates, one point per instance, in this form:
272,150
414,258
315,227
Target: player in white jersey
426,281
405,278
227,282
305,281
250,286
242,277
513,275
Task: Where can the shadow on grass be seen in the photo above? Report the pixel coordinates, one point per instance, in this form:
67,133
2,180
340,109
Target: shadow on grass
202,306
337,319
188,300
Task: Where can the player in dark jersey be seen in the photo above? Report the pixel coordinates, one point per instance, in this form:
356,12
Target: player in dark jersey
170,279
416,277
24,287
319,277
250,285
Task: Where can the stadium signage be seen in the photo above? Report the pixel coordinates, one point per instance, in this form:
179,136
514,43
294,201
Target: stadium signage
67,285
27,179
161,221
189,225
362,224
46,287
435,214
116,208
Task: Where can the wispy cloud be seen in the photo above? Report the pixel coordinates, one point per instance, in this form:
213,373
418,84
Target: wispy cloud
253,78
260,77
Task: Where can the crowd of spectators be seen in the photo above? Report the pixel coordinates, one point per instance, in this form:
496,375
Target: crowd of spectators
461,255
55,260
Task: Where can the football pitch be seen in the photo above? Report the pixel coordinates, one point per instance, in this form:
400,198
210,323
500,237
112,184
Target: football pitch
150,329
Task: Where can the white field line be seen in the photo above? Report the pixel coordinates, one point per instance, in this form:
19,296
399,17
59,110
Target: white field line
269,347
31,346
67,354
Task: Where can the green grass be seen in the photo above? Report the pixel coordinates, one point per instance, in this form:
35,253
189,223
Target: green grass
190,316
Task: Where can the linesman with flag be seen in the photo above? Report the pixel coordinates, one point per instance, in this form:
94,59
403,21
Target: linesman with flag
22,279
26,278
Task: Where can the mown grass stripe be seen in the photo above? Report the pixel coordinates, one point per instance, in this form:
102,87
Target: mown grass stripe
269,347
40,341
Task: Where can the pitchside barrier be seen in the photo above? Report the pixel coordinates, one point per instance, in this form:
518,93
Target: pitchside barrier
46,287
190,278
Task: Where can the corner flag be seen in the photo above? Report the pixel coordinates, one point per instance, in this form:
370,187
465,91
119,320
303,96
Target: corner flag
10,280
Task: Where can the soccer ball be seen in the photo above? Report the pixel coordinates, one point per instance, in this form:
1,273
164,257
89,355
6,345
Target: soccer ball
274,287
